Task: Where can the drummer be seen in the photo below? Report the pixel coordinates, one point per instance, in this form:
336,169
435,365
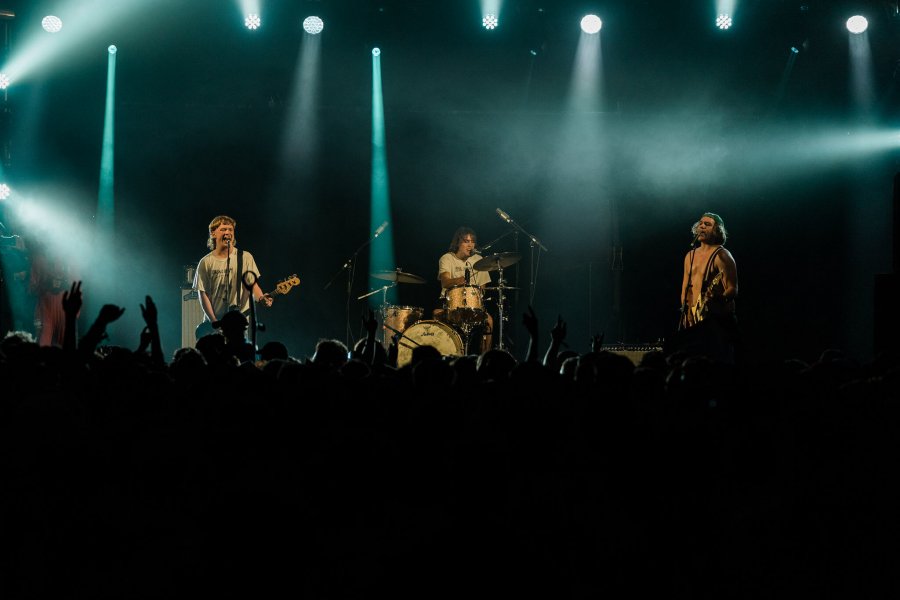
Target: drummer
456,267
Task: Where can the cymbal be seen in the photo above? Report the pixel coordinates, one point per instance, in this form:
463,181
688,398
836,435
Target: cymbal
398,276
494,262
505,287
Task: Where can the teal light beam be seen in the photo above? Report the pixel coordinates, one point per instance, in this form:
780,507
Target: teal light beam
106,200
382,254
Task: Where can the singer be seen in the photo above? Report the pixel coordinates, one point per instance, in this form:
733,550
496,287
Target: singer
218,278
710,284
455,268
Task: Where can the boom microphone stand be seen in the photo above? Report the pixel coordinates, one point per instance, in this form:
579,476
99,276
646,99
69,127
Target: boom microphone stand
350,266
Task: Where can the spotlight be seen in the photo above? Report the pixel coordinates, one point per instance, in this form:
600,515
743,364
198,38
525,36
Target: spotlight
112,49
252,21
313,25
376,51
4,81
591,24
51,24
857,24
795,50
489,21
724,21
4,191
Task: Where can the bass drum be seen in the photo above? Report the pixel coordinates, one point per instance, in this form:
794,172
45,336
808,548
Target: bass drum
399,318
428,333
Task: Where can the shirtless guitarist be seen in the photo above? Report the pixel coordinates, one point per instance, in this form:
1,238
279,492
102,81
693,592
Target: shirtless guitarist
710,282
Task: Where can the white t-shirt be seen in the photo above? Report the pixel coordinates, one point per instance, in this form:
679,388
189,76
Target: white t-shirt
457,268
211,277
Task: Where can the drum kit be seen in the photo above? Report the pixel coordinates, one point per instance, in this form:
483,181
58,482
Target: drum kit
464,311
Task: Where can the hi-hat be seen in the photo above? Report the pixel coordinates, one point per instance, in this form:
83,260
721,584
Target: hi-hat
498,261
398,276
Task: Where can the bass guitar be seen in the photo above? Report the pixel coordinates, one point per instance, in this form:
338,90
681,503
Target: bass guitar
281,288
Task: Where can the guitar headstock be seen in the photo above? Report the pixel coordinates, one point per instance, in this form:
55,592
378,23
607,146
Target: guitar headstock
284,286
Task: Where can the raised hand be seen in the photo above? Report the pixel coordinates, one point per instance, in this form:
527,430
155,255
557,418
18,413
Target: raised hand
71,300
530,322
558,333
370,323
109,313
149,312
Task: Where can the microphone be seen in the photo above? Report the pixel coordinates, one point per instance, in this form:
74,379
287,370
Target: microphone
504,216
381,229
227,241
694,243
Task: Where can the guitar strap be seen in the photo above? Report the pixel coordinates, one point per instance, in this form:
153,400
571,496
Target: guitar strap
239,275
709,265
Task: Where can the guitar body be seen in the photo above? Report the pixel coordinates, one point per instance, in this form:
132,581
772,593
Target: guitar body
281,288
703,308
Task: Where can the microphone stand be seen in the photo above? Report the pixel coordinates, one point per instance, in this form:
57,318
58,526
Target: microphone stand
488,246
350,266
687,286
227,277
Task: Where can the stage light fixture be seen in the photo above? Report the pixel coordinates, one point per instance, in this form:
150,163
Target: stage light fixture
4,81
313,25
490,21
112,49
4,191
591,24
376,51
795,50
724,21
857,24
252,21
51,23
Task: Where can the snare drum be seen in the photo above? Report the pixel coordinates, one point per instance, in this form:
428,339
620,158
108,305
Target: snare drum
429,333
400,318
465,305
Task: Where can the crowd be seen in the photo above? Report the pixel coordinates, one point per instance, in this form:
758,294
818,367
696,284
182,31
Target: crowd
219,472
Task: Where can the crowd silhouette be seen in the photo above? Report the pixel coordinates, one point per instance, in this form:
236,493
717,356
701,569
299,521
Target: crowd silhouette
219,472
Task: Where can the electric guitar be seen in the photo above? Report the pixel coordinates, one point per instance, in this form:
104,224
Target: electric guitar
281,288
700,309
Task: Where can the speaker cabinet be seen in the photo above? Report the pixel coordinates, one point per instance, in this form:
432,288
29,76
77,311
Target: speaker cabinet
191,316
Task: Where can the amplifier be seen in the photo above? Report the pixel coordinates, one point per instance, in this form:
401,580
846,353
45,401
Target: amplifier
191,316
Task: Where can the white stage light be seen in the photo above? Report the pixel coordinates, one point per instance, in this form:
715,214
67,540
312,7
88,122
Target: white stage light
51,24
724,21
313,25
490,21
252,21
857,24
591,24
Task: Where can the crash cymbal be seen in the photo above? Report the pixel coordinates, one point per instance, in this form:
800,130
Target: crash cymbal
494,262
505,287
398,276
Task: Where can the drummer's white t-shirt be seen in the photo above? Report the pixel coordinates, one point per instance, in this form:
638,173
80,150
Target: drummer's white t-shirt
457,268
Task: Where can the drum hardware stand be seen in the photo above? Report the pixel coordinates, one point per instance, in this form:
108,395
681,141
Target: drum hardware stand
501,300
535,244
383,310
350,266
400,335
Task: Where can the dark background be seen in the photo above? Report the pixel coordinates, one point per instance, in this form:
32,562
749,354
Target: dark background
692,119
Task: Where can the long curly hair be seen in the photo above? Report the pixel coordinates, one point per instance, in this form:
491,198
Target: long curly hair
719,234
458,237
